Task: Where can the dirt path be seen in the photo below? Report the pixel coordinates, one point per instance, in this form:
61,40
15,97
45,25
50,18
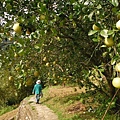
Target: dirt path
29,110
43,112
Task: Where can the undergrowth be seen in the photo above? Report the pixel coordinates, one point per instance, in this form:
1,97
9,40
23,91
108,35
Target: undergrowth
94,102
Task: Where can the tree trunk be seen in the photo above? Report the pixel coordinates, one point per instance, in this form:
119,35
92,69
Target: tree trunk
108,74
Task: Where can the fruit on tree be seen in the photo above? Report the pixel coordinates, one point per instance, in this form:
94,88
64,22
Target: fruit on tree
118,16
27,32
36,73
54,62
47,64
17,28
1,30
54,75
17,68
10,78
117,67
44,59
118,25
55,82
15,55
116,82
95,27
10,38
109,42
42,17
29,82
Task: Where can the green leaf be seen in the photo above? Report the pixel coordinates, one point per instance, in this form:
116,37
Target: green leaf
113,62
91,32
114,2
95,39
36,47
110,32
104,33
91,15
99,6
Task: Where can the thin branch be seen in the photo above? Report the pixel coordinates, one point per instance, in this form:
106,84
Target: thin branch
109,105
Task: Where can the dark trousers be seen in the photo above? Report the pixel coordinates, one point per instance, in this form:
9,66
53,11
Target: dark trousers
37,98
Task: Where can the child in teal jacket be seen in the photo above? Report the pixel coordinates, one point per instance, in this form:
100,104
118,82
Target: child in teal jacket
37,90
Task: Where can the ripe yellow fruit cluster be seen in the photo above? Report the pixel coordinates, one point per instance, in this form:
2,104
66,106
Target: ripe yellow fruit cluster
116,80
109,42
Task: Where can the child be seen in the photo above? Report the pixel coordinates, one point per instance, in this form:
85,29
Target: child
37,90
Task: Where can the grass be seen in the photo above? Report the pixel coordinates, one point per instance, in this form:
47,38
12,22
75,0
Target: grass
69,104
6,109
60,104
65,104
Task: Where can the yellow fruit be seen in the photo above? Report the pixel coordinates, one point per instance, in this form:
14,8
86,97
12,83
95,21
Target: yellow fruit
47,64
29,82
36,73
17,28
1,30
42,17
44,59
116,82
109,42
95,27
118,25
10,38
117,67
10,77
55,82
54,63
15,55
54,75
118,16
27,32
49,73
17,68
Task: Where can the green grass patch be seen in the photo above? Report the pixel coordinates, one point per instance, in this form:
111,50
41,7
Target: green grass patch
6,109
94,102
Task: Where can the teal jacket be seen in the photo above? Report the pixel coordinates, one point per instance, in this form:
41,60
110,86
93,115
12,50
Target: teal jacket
37,89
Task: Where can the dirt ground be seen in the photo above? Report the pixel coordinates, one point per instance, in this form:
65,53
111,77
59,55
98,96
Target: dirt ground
10,115
29,110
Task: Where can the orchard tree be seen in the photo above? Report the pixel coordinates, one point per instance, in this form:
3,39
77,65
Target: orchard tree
107,20
60,41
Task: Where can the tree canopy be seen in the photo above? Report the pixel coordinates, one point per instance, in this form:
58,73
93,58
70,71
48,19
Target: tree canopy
58,44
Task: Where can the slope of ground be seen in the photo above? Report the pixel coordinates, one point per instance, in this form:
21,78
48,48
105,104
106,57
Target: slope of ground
68,103
28,110
55,96
10,115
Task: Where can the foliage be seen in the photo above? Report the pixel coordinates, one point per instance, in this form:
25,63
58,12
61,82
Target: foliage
57,40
